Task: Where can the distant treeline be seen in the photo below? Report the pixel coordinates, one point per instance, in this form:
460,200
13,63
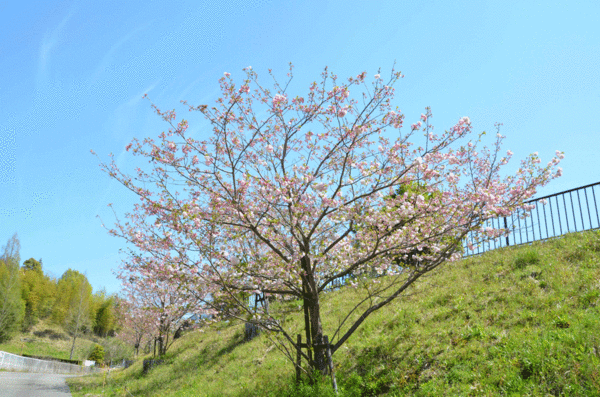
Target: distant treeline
27,295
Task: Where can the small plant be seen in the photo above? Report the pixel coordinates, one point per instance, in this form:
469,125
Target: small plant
97,354
529,257
528,367
561,322
576,254
593,241
589,298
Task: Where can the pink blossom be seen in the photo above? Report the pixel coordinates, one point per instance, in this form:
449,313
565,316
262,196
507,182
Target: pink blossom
321,187
277,99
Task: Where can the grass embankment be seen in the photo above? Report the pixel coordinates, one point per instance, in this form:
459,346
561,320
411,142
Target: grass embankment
515,321
48,340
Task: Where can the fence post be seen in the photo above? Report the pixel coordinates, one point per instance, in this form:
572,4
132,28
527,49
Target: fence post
328,346
306,321
298,358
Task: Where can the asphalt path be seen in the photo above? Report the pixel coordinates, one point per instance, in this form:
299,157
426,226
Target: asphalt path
30,384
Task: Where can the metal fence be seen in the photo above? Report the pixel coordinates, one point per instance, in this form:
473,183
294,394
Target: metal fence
573,210
14,362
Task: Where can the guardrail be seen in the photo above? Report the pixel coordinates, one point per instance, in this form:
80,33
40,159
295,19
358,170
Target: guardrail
573,210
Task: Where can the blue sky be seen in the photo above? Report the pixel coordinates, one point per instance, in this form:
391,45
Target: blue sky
72,76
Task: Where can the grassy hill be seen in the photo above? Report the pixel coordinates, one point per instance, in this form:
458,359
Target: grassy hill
516,321
48,340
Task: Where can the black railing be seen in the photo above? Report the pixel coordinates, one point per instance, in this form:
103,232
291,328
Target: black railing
573,210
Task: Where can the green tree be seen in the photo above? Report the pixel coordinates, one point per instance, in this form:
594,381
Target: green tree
38,291
12,306
33,265
68,288
104,318
73,305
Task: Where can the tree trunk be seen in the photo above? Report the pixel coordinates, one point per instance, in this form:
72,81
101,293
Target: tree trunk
316,328
73,346
160,346
166,343
316,331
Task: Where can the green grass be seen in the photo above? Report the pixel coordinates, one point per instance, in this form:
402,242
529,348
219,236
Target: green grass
48,340
520,321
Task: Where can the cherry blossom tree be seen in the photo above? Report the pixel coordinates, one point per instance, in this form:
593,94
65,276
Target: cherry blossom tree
157,301
135,324
289,193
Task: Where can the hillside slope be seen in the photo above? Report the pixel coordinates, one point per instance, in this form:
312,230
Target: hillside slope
515,321
48,340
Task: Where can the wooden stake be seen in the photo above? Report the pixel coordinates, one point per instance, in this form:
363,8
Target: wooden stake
333,381
298,358
307,325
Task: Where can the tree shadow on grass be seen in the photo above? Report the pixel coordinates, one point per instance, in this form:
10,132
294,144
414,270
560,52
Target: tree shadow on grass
236,341
207,357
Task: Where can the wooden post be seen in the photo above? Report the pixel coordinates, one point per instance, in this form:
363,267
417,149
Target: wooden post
298,358
328,347
307,324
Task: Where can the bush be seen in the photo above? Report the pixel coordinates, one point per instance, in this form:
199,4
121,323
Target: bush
97,354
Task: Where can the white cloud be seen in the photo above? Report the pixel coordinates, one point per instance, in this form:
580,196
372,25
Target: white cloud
49,42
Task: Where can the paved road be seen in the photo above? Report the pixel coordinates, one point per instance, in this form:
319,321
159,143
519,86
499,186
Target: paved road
29,384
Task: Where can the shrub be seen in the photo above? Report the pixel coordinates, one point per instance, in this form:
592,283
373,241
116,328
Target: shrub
97,354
